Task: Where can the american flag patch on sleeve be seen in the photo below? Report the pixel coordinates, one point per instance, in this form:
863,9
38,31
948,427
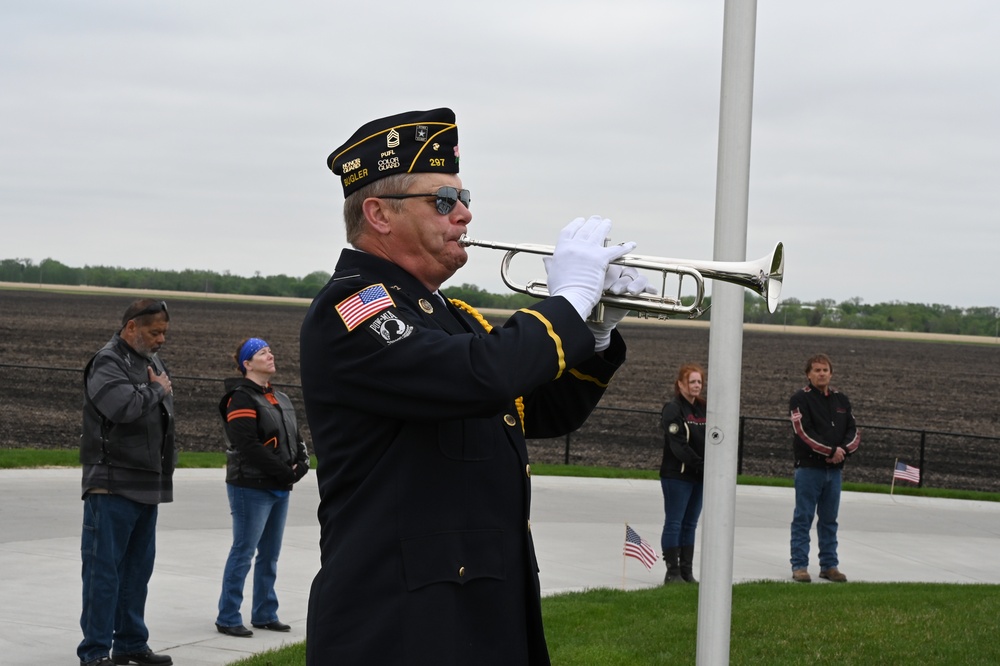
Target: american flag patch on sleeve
362,305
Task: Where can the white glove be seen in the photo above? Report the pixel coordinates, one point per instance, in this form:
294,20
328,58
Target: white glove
618,280
576,269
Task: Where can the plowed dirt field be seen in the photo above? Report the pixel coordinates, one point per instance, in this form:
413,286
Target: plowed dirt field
896,384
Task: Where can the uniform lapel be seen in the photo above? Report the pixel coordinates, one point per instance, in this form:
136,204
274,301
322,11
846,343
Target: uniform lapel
459,316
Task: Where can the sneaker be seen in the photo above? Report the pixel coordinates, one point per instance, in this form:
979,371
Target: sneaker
802,576
147,658
833,574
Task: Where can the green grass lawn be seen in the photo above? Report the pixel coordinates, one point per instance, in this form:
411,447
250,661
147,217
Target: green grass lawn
773,624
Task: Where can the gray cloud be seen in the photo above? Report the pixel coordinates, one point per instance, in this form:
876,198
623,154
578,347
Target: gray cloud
201,131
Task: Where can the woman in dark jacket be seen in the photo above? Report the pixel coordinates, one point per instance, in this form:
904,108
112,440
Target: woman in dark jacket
265,455
683,421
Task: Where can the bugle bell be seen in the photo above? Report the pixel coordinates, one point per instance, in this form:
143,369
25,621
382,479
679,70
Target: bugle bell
762,276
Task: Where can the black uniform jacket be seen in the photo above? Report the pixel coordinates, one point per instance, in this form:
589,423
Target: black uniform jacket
683,440
821,423
426,552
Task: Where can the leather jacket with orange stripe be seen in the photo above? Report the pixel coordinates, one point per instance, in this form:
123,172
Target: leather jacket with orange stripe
262,436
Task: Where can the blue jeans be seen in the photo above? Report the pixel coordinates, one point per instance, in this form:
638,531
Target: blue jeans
258,525
117,548
681,508
817,493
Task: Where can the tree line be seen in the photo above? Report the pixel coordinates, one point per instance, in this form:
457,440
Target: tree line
893,316
826,313
52,272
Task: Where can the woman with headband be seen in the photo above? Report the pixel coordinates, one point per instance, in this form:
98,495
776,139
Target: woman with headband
265,455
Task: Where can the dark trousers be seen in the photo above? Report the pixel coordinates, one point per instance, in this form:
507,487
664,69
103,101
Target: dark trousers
117,548
682,501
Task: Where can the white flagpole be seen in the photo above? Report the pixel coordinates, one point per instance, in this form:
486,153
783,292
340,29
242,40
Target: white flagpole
624,559
725,345
892,486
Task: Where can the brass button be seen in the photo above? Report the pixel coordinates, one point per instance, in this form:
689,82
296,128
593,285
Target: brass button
509,419
461,571
529,525
527,470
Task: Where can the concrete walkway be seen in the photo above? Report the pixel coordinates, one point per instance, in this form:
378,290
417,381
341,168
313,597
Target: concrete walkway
578,525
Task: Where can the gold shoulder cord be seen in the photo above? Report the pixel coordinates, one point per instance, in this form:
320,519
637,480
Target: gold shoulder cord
462,305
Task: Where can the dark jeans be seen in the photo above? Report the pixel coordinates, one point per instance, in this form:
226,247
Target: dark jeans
817,493
682,502
258,526
117,548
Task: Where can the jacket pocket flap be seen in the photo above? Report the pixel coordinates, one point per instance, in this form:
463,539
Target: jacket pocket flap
452,557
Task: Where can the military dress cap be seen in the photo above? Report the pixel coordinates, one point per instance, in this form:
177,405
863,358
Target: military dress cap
411,142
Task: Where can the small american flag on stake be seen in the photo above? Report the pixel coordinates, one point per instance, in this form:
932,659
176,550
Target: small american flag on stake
906,472
363,305
639,548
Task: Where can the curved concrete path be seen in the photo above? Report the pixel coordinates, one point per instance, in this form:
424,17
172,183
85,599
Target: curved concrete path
578,525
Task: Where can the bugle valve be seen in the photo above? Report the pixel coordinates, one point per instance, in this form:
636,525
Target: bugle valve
762,276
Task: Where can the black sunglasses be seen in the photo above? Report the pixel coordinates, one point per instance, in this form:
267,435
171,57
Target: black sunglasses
446,198
152,308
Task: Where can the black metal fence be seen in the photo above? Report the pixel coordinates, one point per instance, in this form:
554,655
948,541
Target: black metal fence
41,407
631,438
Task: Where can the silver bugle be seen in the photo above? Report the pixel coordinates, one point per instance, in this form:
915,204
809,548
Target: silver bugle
762,277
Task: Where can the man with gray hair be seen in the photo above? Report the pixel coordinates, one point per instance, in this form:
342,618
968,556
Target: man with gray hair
128,457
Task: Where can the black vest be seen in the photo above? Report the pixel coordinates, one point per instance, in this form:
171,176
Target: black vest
273,422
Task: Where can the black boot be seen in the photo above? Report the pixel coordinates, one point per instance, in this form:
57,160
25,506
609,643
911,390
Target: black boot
686,563
670,556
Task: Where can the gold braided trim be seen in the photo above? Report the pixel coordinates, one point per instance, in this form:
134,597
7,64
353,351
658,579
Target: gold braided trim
587,378
560,356
462,305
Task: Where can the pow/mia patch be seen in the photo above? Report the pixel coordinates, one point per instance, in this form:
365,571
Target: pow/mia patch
674,428
388,327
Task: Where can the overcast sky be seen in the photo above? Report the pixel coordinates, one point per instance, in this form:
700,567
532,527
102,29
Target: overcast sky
192,134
